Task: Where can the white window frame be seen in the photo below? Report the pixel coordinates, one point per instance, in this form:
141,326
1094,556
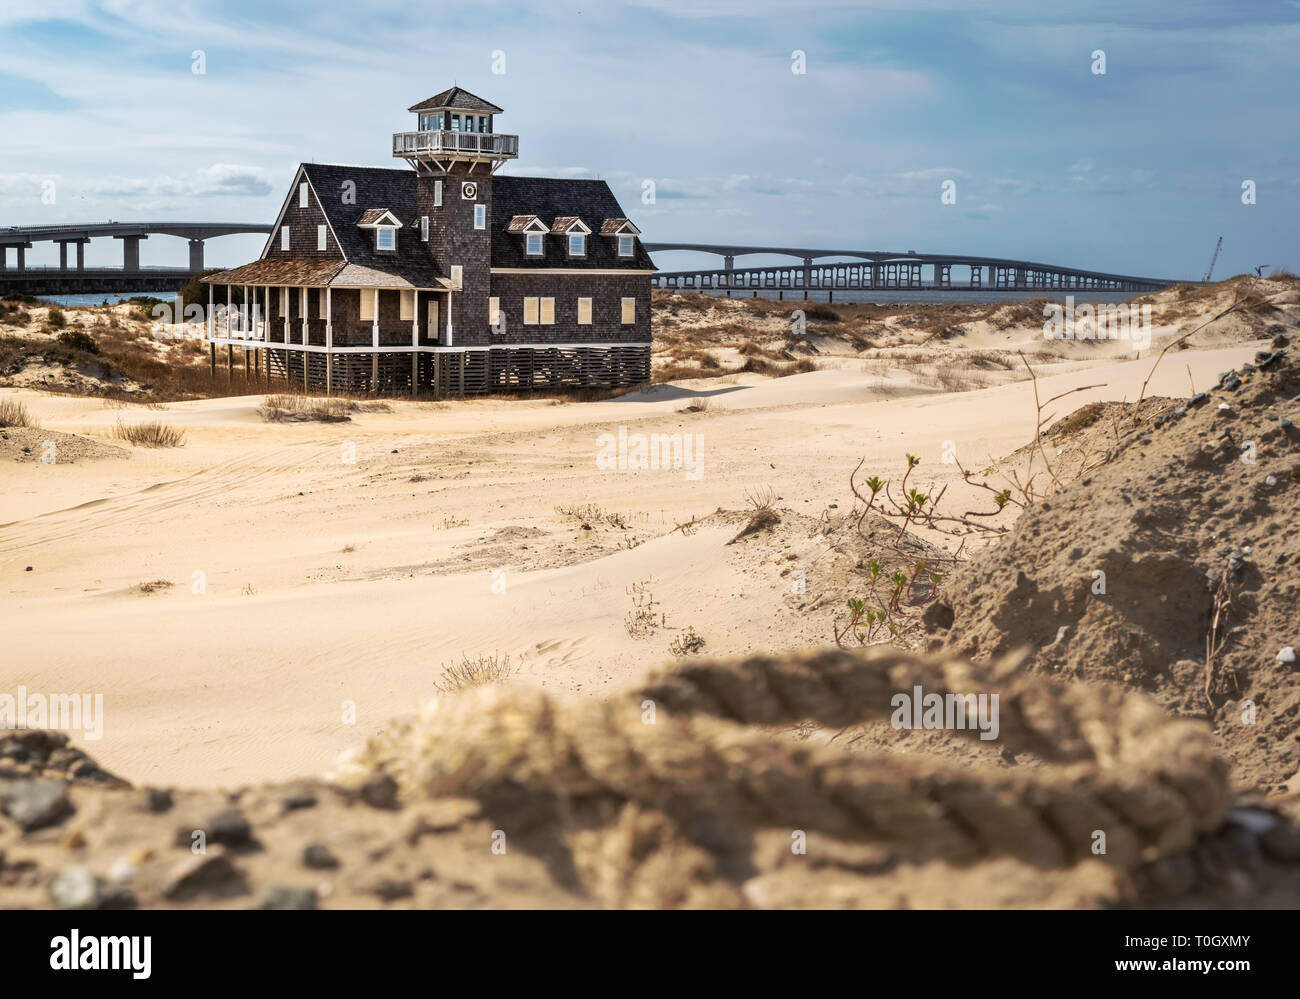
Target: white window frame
368,304
379,238
530,311
437,194
322,240
582,244
631,245
528,244
424,228
480,216
406,305
547,316
302,195
284,237
584,311
628,307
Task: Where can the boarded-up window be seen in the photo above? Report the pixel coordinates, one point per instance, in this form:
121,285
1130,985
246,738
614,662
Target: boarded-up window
584,312
284,237
320,237
302,195
367,305
457,276
530,312
494,309
407,313
629,311
424,228
433,318
437,193
548,312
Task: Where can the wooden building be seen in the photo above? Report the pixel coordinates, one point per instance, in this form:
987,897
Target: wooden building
441,276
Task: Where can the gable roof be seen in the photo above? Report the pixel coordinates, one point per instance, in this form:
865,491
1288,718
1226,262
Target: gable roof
618,227
590,201
374,186
526,223
567,223
376,216
458,100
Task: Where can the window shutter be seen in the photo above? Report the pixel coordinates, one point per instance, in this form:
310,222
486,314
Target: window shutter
530,312
629,311
548,312
584,312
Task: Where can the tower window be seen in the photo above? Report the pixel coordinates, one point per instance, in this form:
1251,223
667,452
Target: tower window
320,237
284,237
625,246
437,194
385,238
424,228
629,311
302,195
455,123
480,216
577,244
482,123
534,244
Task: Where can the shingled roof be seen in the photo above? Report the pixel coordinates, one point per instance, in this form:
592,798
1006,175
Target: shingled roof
589,200
394,188
457,100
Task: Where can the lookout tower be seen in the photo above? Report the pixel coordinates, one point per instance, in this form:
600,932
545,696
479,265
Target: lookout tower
454,127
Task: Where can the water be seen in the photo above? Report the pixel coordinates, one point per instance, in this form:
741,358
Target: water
99,297
925,296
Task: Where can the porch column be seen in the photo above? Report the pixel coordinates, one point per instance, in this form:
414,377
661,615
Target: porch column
329,344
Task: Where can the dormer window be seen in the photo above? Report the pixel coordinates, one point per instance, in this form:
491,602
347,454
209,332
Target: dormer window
533,244
385,224
623,231
577,244
626,246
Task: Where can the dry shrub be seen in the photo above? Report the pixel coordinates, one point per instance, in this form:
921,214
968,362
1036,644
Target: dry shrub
697,406
301,409
15,414
149,434
477,672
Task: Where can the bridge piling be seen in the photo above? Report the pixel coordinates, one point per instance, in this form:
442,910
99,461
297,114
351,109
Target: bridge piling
196,255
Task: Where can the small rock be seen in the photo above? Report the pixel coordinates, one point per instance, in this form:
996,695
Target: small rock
157,800
1270,481
229,827
203,874
389,890
280,897
318,857
380,792
1198,399
76,888
1281,843
121,870
35,804
296,801
1287,655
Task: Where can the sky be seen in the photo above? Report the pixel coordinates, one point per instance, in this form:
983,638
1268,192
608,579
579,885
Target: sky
819,123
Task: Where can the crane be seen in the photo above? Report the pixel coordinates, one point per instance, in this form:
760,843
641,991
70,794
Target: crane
1217,247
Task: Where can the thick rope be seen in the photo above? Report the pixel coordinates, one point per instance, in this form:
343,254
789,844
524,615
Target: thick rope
1114,762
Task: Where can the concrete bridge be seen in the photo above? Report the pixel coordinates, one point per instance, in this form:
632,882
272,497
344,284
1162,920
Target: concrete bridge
870,270
131,276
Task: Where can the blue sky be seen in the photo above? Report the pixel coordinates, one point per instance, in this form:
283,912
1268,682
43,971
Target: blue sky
1137,171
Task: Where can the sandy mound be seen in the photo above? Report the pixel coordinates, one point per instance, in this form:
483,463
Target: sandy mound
1199,554
33,444
685,791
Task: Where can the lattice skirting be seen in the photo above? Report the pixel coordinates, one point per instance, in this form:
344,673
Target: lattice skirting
469,372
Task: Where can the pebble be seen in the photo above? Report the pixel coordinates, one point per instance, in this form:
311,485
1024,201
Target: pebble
1287,655
35,804
1224,406
318,857
1270,481
157,800
281,897
197,874
229,827
76,888
380,792
121,870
